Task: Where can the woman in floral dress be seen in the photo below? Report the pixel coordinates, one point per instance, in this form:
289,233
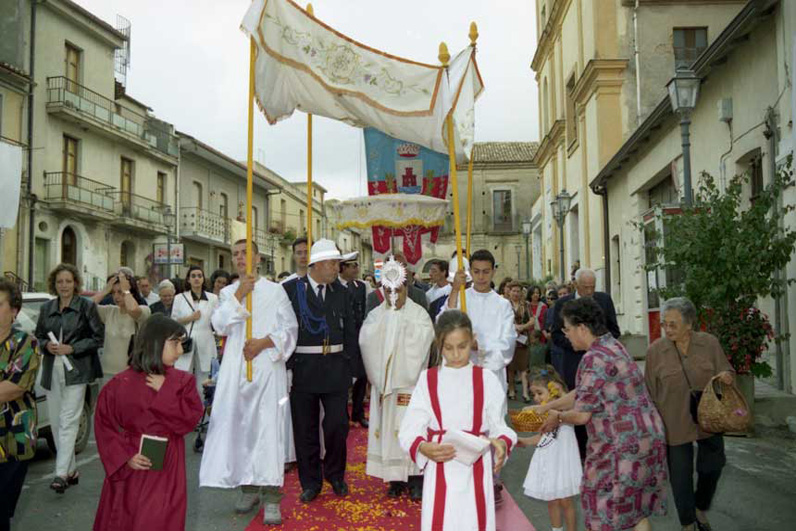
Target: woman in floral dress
624,474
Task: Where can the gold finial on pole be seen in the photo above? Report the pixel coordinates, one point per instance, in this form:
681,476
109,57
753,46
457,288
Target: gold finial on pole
473,33
310,10
444,56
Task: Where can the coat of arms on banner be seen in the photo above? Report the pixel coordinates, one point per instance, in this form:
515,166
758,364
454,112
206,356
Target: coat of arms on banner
397,166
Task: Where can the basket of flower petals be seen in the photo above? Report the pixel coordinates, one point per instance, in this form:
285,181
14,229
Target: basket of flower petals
526,420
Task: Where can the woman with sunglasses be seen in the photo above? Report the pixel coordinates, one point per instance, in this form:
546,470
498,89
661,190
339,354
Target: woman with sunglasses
149,398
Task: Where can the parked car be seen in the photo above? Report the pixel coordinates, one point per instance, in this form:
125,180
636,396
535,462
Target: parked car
26,320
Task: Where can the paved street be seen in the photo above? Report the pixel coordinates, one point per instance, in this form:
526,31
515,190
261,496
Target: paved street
757,491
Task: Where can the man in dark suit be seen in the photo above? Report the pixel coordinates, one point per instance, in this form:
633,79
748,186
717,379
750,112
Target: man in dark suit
349,273
321,367
585,284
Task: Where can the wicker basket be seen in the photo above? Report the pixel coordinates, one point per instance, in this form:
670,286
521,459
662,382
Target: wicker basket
730,413
527,421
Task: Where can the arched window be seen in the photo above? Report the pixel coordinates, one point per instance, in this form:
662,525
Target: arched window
197,194
68,246
223,207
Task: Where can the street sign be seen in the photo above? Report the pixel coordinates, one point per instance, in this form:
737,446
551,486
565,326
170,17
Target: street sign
160,251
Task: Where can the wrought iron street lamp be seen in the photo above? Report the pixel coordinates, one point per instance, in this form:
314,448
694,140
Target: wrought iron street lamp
526,232
683,94
560,206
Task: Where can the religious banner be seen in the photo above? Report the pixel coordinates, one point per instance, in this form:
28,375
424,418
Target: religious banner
396,166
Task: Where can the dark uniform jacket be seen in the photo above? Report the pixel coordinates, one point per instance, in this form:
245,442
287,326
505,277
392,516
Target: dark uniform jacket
318,373
159,307
358,294
82,330
571,359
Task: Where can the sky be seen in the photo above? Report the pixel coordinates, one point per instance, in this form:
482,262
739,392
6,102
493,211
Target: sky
189,62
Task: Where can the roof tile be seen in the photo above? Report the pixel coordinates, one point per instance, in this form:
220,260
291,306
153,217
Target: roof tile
505,151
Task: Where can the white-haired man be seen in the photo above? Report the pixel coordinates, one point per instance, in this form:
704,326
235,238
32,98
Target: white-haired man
585,286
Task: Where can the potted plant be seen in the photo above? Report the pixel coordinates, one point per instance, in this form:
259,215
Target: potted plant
723,253
288,236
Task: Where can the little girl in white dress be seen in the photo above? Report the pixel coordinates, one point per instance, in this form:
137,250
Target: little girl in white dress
555,472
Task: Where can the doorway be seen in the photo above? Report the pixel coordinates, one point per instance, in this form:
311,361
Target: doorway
68,246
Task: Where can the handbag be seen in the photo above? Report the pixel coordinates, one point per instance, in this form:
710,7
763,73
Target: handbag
187,343
131,344
695,396
724,411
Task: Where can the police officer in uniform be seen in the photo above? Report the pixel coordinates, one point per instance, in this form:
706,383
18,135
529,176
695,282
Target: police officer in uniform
349,271
321,367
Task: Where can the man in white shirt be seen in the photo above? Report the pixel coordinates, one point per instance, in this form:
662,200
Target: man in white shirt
492,317
145,288
440,287
301,257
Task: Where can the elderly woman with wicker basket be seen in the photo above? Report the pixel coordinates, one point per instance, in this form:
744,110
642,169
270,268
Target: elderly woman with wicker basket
678,367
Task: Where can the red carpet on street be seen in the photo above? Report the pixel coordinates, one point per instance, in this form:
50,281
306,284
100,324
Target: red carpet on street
367,507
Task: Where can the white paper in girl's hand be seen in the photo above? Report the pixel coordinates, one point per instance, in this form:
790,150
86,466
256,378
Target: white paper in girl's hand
468,447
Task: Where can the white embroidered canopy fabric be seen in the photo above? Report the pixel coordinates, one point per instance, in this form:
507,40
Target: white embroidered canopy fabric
304,64
391,210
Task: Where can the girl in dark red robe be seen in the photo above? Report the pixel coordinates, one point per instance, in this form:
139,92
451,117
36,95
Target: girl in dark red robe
153,398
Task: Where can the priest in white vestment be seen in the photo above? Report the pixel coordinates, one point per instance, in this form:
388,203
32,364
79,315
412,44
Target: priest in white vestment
492,316
245,440
395,343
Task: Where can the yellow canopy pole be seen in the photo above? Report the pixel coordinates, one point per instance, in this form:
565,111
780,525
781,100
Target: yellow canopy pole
309,165
469,202
467,248
444,57
249,194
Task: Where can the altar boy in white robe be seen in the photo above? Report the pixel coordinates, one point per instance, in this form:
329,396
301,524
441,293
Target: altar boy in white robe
245,440
395,342
492,316
456,397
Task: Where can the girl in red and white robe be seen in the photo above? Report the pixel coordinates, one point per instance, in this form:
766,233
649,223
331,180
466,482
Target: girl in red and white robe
456,396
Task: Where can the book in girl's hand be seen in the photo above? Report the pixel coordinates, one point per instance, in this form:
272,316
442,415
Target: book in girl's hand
154,448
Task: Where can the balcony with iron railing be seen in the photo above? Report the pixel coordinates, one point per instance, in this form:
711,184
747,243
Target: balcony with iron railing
138,212
78,195
73,100
204,226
